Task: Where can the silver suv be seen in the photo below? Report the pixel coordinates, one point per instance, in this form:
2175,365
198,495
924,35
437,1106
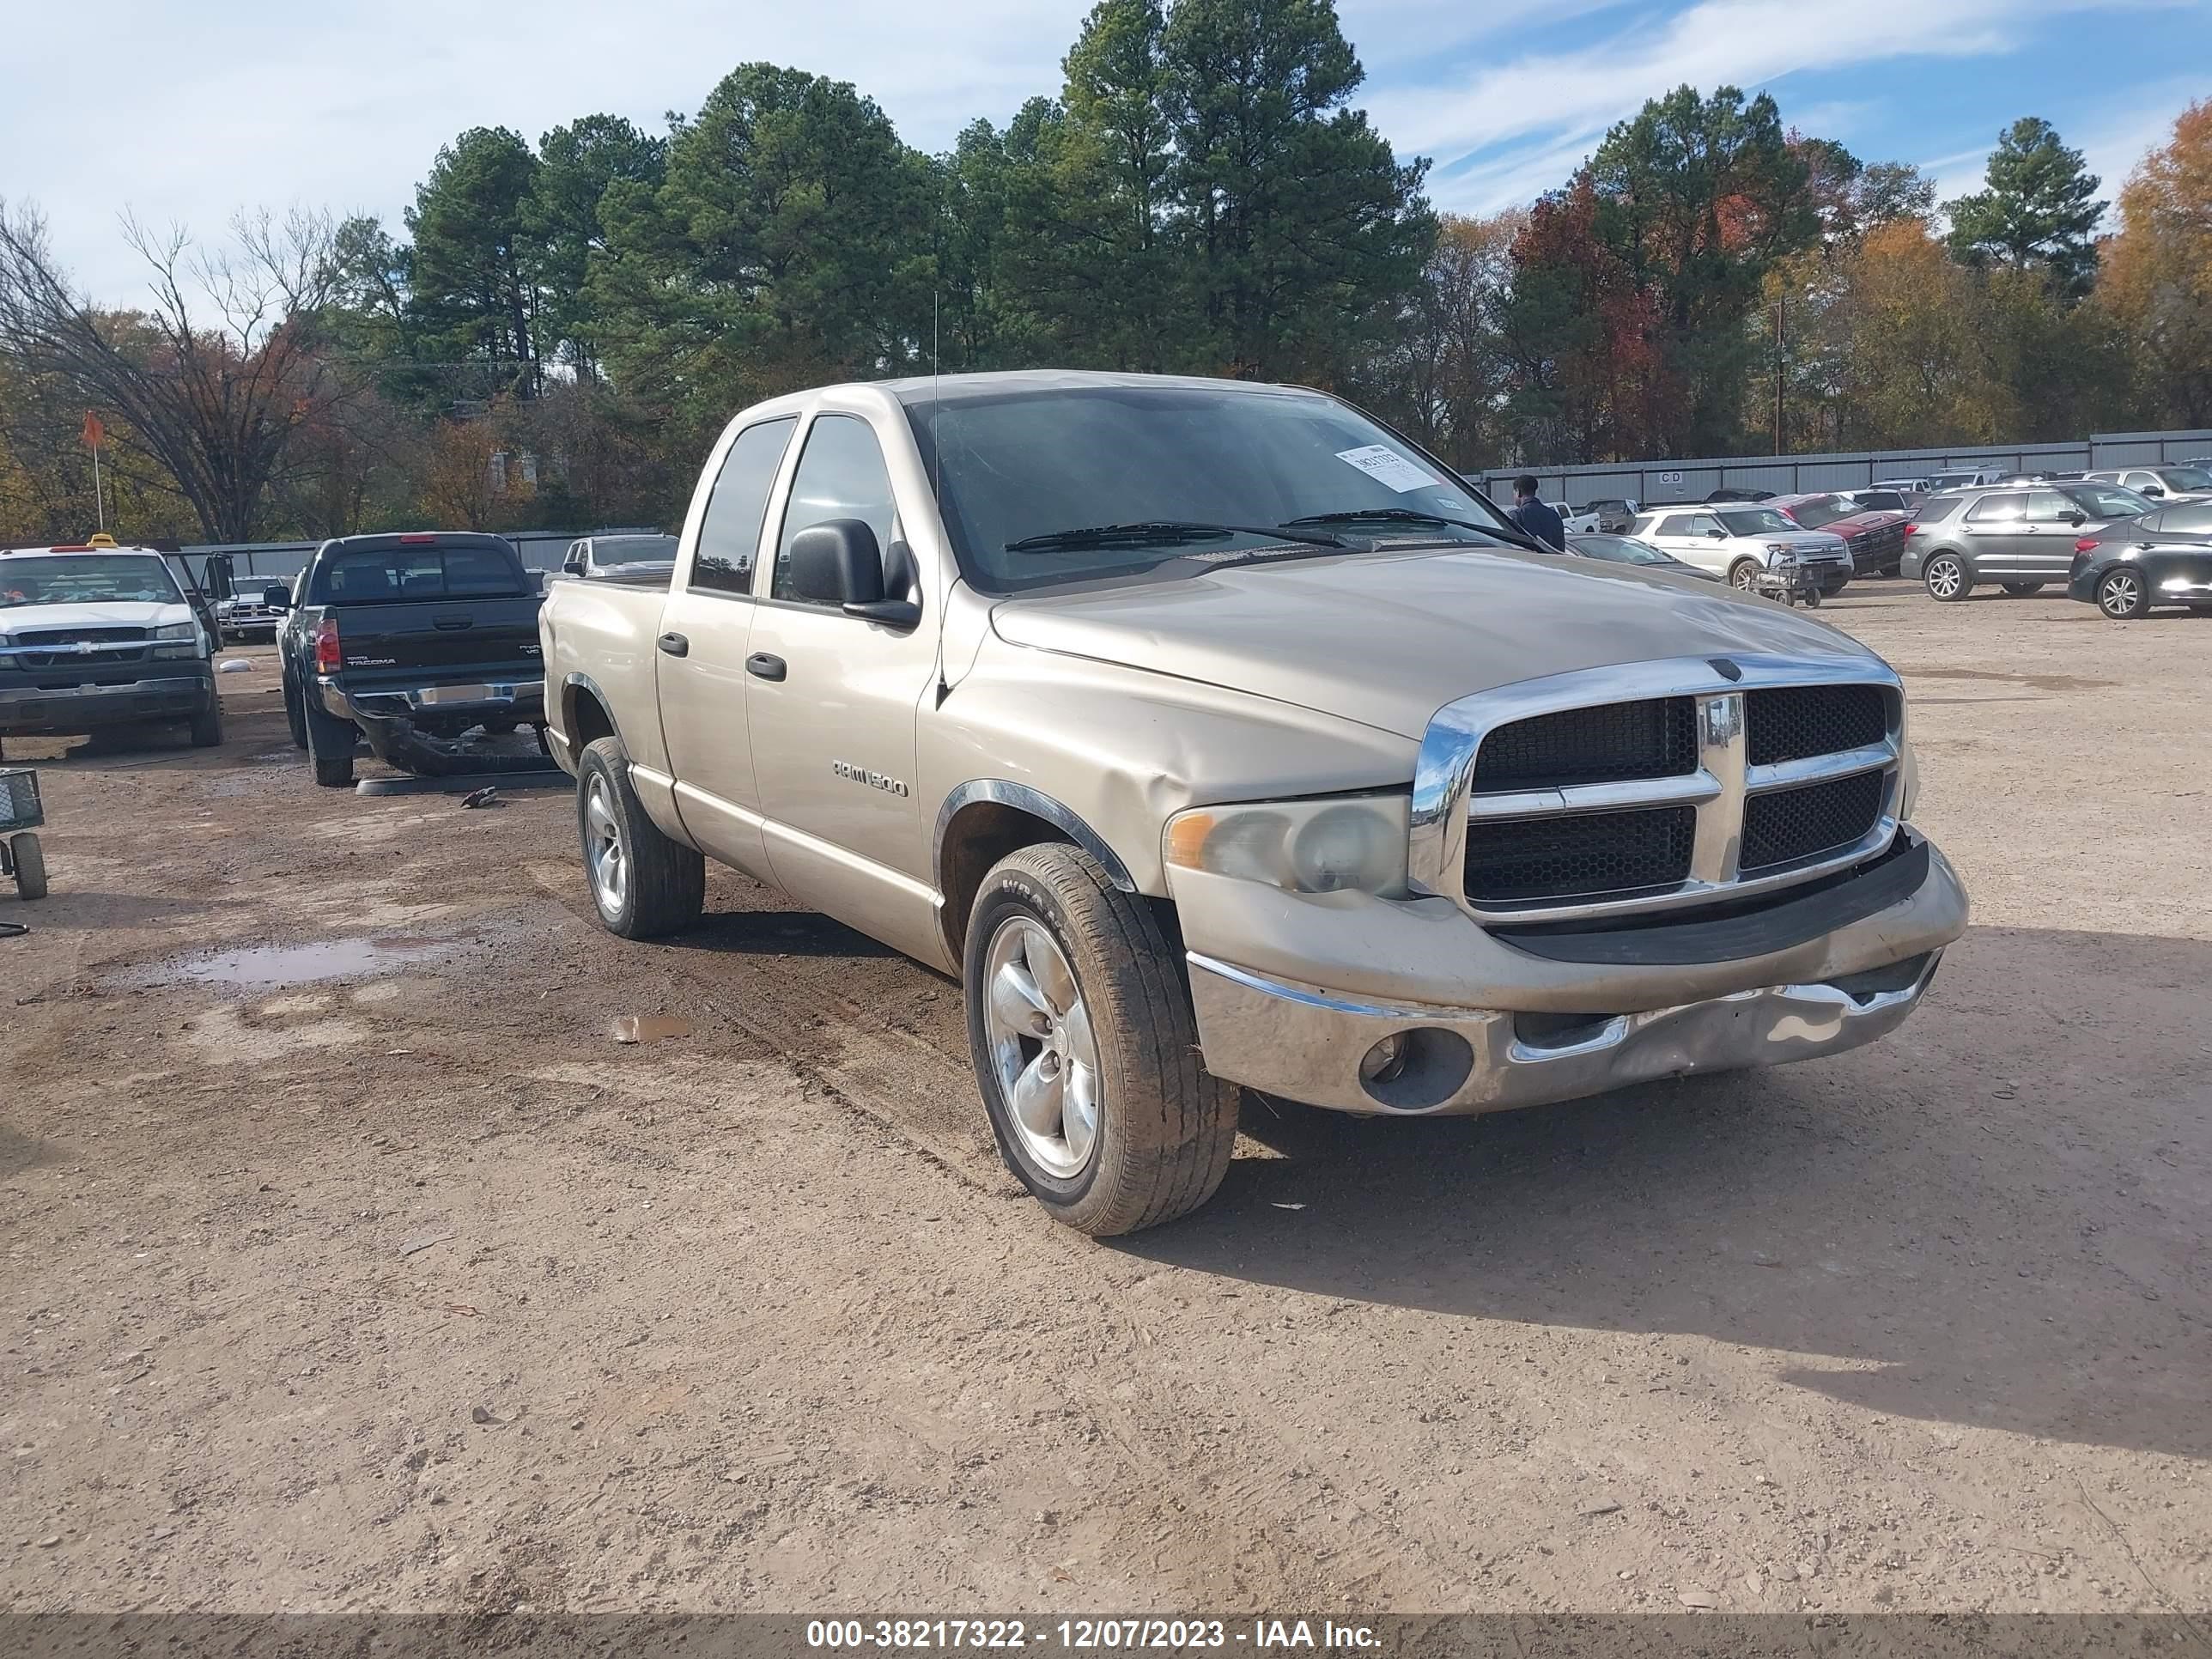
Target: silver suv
1737,540
2019,538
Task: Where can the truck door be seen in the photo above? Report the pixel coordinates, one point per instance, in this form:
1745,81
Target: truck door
833,702
705,629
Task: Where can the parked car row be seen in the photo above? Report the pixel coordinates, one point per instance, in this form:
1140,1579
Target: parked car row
2113,547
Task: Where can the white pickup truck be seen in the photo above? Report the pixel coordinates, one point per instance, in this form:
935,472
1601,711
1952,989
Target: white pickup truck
1215,735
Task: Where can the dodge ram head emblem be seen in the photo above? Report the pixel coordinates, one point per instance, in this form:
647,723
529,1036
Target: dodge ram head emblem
854,774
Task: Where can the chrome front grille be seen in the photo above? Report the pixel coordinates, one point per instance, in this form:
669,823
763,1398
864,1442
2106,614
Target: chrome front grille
57,647
1653,784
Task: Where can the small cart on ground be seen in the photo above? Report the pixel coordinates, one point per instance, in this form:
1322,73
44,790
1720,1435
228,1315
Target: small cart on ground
21,859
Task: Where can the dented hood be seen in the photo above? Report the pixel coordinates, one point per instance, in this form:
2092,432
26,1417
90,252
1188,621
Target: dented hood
1387,638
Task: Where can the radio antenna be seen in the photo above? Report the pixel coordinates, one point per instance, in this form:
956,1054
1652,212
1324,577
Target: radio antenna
936,380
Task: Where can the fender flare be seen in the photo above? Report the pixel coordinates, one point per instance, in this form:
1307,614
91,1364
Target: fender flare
1019,796
575,680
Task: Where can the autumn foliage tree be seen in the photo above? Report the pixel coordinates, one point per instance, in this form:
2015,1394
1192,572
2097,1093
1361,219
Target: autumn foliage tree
2157,281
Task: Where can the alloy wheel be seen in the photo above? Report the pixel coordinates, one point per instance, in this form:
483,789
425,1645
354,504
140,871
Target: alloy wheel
2121,594
1944,577
605,856
1043,1050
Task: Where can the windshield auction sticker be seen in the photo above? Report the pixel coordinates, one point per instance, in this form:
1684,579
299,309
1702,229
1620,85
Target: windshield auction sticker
1385,466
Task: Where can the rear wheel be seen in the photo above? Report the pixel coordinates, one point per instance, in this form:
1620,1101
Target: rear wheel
330,746
2121,594
2021,590
643,884
1946,577
1086,1048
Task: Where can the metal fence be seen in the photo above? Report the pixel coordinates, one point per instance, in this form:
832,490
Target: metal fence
257,563
1662,482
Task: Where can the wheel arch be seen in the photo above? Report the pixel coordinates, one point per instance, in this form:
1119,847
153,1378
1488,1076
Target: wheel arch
986,818
586,714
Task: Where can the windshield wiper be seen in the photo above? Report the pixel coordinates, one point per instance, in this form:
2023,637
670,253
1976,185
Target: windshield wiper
1160,532
1392,515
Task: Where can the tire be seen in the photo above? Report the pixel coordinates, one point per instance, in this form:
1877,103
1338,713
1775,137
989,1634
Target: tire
30,860
207,724
1742,573
1812,600
330,746
1945,577
643,885
2021,590
1160,1129
2122,595
296,719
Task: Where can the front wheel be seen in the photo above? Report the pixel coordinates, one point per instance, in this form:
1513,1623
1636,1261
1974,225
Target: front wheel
207,724
1086,1048
1946,577
2021,590
643,884
1743,573
2122,596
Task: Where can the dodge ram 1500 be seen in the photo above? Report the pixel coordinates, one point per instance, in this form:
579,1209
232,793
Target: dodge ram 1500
1215,735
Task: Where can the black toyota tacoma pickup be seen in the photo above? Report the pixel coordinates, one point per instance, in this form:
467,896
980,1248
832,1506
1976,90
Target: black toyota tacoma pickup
409,640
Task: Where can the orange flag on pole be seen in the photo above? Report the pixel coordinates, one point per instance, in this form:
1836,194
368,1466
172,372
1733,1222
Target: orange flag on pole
94,434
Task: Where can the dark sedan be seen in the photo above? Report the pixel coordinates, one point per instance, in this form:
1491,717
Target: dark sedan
2163,557
1627,549
1875,535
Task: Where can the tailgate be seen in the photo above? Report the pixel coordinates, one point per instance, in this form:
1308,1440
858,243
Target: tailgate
438,641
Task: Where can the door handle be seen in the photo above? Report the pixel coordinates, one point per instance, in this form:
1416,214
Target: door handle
676,645
451,623
763,666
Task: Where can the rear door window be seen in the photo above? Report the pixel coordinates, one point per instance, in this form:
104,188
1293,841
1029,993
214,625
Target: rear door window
1676,524
729,533
1998,509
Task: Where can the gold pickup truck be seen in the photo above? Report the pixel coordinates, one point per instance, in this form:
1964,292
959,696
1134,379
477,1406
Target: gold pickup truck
1215,735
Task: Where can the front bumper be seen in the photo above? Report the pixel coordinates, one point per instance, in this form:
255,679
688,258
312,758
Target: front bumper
26,711
1489,1027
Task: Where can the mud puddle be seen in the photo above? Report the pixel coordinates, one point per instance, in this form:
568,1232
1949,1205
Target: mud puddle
273,967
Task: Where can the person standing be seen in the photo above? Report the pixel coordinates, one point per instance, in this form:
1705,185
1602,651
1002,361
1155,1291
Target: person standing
1534,516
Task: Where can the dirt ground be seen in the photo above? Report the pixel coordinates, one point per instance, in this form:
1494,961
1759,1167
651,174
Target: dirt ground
352,1263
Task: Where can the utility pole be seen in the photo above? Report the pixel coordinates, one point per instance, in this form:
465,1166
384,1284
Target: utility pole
1781,301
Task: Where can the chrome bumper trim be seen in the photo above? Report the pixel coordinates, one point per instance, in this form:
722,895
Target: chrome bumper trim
1305,1044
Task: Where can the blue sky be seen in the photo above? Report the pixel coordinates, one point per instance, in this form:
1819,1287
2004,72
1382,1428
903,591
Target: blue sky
194,111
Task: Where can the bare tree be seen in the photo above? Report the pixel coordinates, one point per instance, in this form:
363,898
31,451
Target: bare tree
214,380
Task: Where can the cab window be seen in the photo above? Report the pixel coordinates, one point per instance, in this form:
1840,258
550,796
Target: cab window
841,476
730,530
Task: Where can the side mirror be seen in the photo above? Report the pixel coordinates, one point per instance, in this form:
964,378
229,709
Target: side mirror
573,565
2077,518
1717,533
2153,489
837,561
278,598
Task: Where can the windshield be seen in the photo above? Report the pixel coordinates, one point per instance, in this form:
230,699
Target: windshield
2105,500
1818,510
1027,465
1755,522
2185,477
81,578
1620,550
633,549
1954,480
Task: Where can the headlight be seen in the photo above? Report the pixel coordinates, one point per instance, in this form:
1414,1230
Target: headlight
1304,847
190,641
1777,547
